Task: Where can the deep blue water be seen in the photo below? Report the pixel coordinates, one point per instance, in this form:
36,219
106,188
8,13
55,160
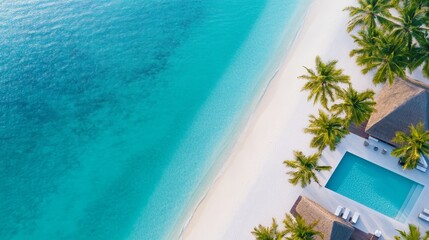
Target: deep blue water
111,111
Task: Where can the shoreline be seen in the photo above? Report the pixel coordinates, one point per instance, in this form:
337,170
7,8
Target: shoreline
218,172
229,143
227,210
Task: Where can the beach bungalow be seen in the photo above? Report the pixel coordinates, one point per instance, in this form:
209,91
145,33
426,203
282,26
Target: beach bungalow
398,105
332,227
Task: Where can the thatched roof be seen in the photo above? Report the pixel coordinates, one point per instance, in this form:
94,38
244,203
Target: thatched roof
332,227
398,105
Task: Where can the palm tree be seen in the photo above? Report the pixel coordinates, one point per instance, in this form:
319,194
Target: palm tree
420,55
357,106
268,233
323,83
367,42
305,167
390,60
413,234
327,130
410,23
299,230
412,145
369,13
419,3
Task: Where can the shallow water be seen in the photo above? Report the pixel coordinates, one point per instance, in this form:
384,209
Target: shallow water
110,110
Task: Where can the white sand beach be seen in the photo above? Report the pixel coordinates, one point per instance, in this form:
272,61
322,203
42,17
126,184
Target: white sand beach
253,187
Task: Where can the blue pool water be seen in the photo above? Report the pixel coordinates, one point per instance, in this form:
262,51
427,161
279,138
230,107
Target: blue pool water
112,112
374,186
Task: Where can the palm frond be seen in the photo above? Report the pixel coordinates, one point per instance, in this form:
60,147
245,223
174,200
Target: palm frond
323,82
412,145
303,168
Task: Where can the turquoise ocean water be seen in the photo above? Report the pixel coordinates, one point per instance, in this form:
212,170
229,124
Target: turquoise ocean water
113,112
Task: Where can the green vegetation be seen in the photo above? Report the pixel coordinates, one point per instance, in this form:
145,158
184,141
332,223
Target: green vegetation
357,106
387,57
390,43
268,233
305,167
412,145
413,234
420,55
410,23
298,229
327,130
295,229
367,43
369,14
323,82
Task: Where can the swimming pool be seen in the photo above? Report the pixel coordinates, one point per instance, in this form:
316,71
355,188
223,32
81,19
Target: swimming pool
375,187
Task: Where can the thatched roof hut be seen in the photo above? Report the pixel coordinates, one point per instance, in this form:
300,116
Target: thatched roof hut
398,105
332,227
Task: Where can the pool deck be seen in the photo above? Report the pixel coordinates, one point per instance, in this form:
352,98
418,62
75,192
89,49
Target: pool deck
370,220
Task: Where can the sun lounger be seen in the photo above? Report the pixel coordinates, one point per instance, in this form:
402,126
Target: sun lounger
421,169
424,217
338,211
355,217
426,211
346,214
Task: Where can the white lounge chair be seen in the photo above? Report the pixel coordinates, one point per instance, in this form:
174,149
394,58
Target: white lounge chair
346,214
421,169
338,211
377,233
426,211
355,217
424,217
